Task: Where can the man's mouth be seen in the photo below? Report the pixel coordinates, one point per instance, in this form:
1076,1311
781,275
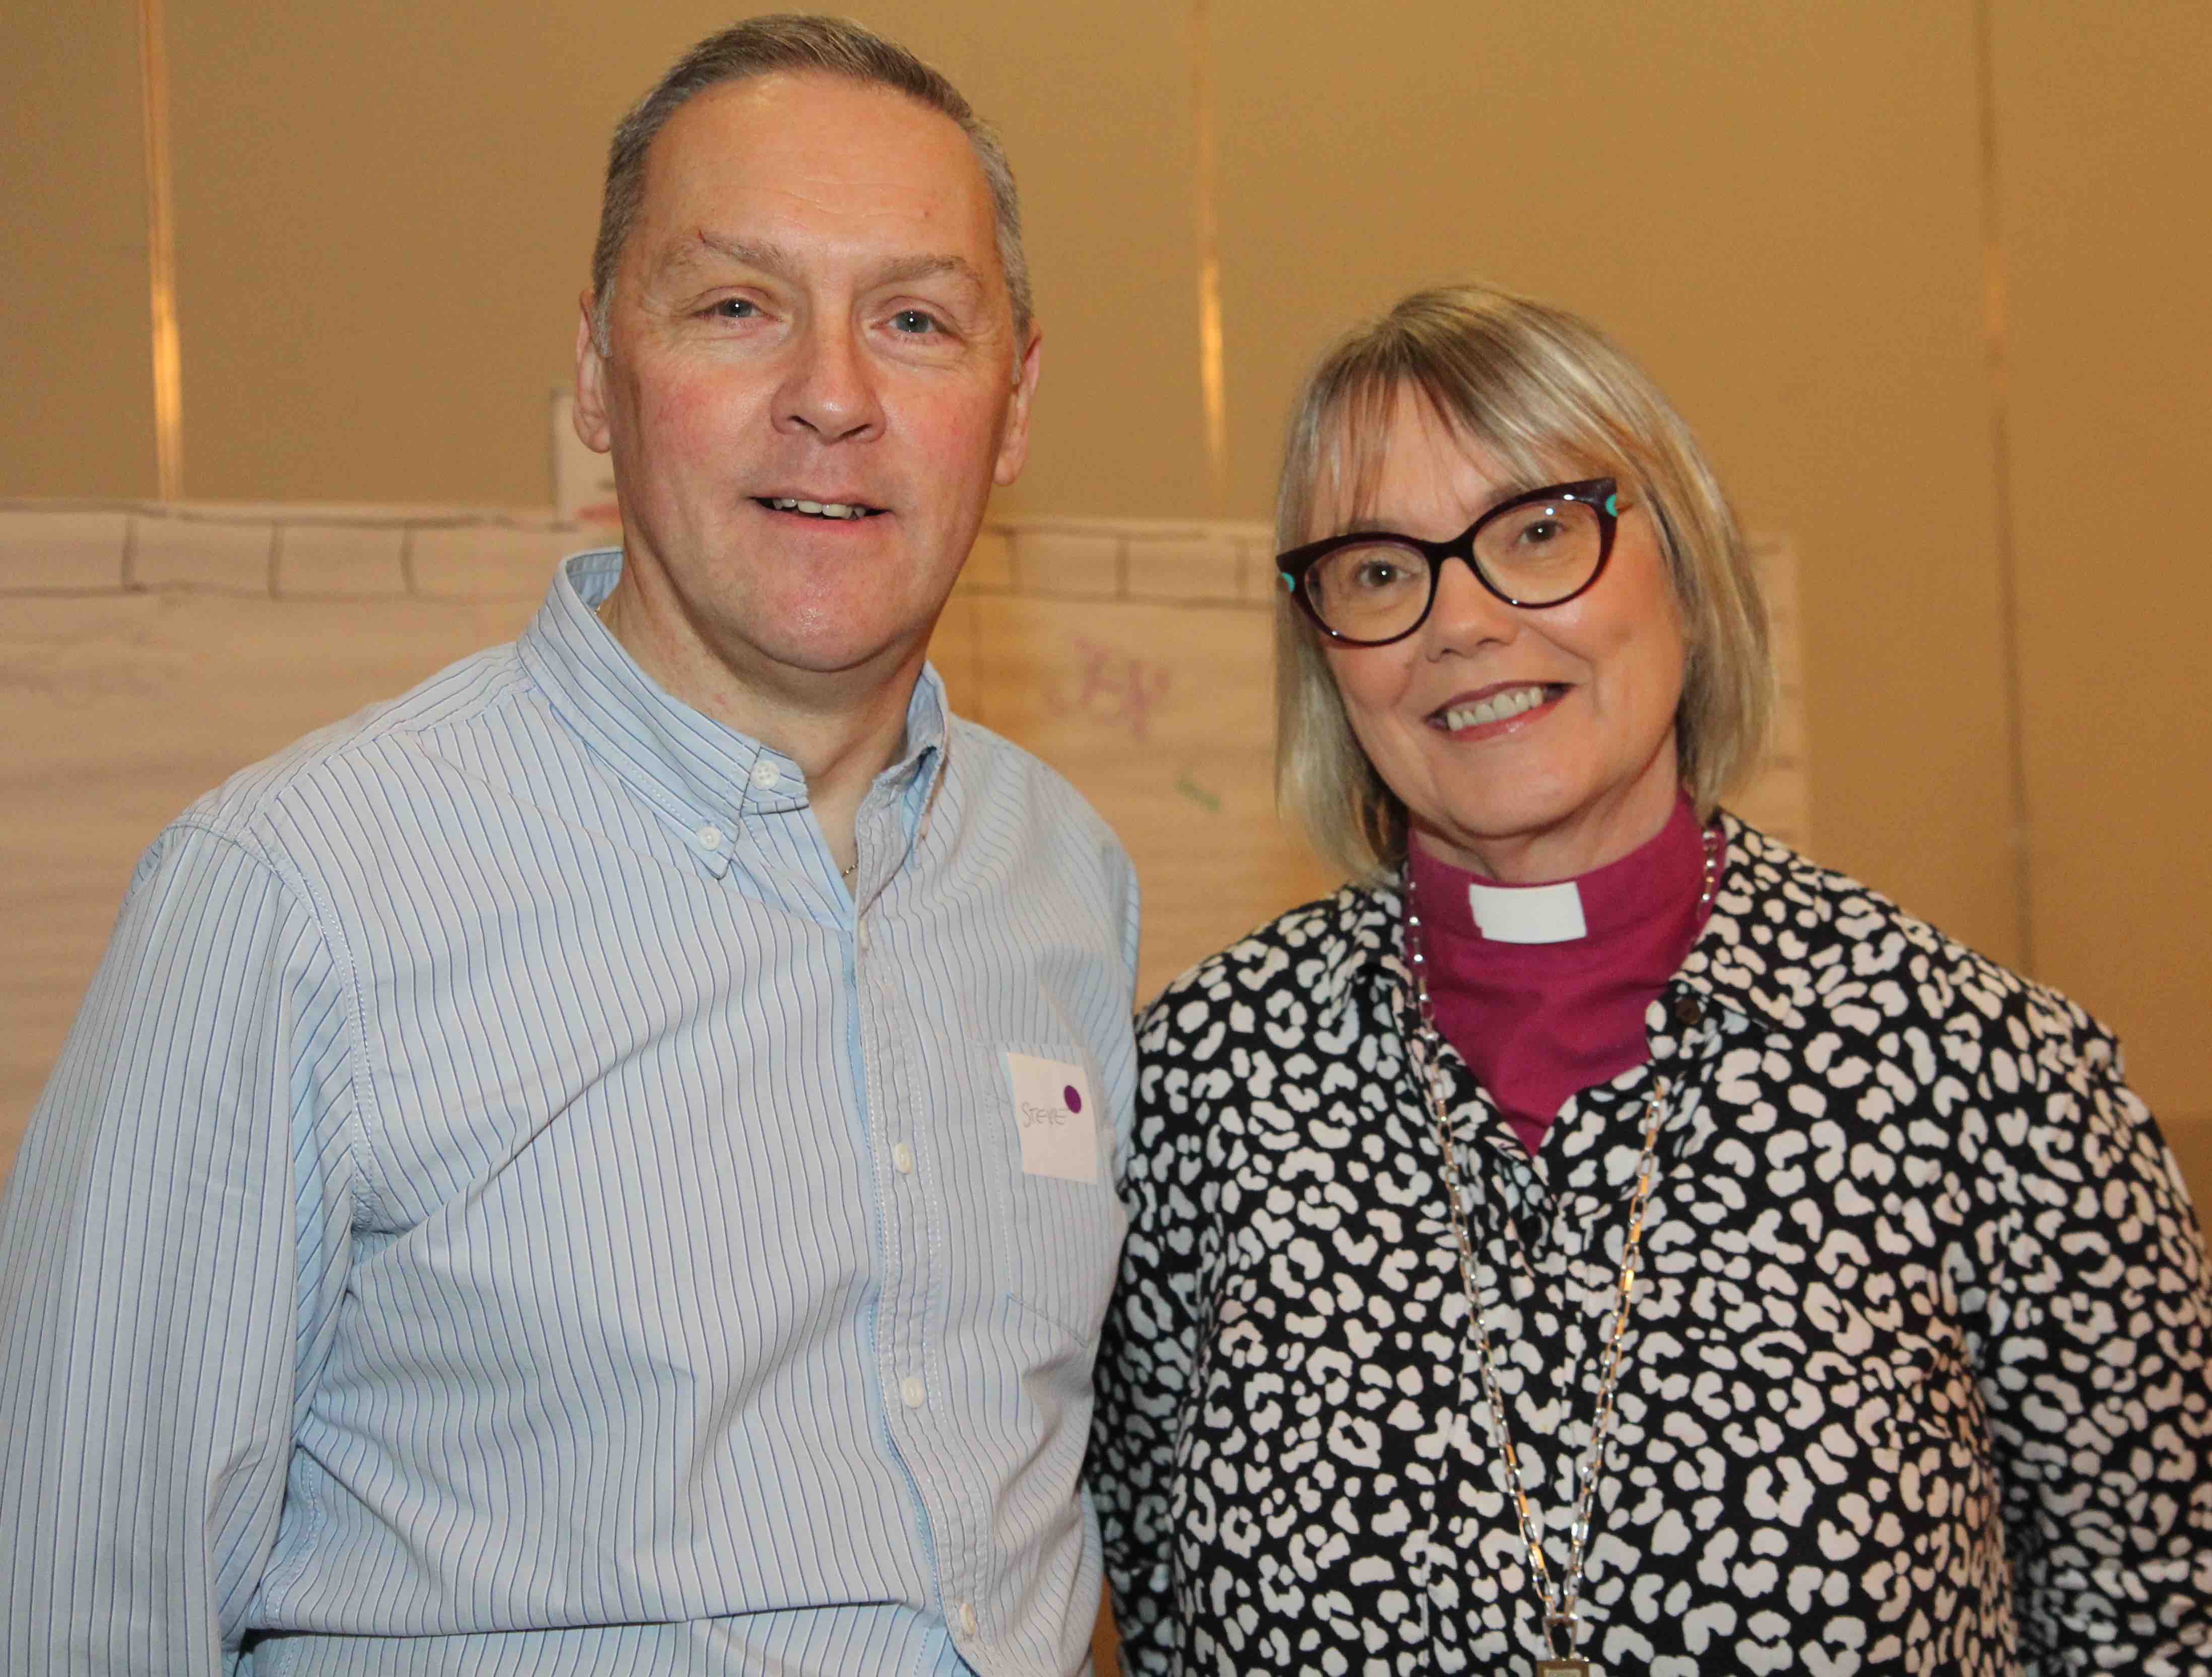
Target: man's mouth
842,509
1503,705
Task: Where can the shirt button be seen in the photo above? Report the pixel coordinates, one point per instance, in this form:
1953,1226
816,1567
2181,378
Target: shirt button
967,1619
1687,1012
860,934
903,1159
913,1391
711,837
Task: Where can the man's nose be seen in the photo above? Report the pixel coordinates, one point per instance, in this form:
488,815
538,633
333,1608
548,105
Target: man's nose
829,388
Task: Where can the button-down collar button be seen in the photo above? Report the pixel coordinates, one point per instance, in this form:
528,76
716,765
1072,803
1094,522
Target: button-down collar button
765,774
913,1391
711,837
1688,1011
902,1158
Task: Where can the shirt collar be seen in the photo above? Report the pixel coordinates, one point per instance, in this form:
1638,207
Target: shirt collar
1760,880
702,775
1641,895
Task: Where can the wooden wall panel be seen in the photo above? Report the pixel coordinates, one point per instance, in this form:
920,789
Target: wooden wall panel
2105,132
378,307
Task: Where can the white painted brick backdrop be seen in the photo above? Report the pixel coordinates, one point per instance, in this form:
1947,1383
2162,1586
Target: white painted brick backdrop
146,651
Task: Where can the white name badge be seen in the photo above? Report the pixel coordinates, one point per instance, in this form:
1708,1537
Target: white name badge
1056,1117
1528,913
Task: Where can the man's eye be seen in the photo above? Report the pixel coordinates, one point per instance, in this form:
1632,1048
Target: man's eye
734,308
913,322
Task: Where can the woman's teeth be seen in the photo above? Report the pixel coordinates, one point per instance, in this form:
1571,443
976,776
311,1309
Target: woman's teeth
818,509
1496,708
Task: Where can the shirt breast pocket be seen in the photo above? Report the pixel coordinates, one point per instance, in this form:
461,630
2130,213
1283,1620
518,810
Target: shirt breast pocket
1048,1146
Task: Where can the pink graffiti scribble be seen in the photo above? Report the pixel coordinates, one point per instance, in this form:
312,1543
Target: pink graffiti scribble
1114,687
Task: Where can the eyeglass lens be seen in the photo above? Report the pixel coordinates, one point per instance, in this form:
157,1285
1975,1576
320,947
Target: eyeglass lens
1532,555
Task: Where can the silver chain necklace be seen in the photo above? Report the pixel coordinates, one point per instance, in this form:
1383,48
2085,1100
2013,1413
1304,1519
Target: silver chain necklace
1562,1625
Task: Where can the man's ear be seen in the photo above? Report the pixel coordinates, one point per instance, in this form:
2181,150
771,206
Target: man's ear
1014,445
590,414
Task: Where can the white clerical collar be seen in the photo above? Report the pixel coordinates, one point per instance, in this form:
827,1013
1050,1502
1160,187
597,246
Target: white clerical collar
1528,913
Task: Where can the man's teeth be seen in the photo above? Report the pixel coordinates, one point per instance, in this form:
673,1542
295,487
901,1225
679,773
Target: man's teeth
1496,708
818,509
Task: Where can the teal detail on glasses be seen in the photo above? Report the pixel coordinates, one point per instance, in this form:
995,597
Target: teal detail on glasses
1613,505
1286,579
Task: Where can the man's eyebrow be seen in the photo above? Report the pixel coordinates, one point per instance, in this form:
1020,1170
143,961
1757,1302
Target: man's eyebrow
908,268
770,257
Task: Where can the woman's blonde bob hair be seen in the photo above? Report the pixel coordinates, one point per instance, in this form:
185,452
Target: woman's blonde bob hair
1549,397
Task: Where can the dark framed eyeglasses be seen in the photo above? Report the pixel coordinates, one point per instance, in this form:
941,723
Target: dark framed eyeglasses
1372,587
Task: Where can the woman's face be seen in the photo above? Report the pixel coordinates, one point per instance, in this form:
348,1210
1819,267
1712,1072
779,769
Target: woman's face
1587,771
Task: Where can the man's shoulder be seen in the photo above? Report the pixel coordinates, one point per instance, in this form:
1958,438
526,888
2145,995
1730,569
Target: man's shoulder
343,770
1012,780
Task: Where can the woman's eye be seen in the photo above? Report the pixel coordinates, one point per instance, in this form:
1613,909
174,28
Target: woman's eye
1539,531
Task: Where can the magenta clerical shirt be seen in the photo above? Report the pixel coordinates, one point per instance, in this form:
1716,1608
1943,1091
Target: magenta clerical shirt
1538,1021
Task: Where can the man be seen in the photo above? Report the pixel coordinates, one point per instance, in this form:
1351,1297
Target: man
605,1163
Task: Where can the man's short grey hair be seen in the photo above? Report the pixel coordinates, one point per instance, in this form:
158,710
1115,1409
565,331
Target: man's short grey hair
796,42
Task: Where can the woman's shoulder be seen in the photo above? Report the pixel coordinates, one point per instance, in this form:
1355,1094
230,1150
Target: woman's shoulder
1787,902
1314,948
1790,927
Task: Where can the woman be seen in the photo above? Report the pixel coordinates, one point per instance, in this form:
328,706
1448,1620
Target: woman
1597,1239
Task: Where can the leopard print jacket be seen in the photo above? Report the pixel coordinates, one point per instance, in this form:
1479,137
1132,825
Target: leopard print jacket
1916,1368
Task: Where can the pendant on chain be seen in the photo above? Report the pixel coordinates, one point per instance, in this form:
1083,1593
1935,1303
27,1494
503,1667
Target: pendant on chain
1558,1631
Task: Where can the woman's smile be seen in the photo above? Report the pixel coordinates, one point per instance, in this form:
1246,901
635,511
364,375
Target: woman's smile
1486,714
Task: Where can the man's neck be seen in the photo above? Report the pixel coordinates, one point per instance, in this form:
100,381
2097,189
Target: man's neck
842,730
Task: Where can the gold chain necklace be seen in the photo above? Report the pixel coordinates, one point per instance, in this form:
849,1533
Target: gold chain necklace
1562,1624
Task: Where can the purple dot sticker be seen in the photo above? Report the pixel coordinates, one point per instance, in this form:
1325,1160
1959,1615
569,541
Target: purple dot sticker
1074,1101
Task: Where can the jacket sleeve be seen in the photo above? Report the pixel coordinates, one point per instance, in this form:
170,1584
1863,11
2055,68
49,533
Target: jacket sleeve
172,1253
2098,1327
1147,1351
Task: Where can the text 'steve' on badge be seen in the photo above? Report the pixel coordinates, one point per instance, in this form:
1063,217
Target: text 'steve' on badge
1056,1117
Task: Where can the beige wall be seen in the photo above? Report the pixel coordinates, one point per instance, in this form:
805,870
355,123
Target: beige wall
2106,147
77,398
382,216
384,222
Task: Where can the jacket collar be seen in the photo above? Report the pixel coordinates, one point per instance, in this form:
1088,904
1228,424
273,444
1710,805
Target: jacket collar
1764,881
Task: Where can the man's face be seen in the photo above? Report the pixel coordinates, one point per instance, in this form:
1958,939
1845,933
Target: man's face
810,311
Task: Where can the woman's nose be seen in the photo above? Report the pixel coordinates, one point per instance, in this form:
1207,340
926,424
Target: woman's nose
1465,614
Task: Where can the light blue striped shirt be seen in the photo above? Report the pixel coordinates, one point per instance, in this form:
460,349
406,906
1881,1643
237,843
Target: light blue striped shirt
504,1208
